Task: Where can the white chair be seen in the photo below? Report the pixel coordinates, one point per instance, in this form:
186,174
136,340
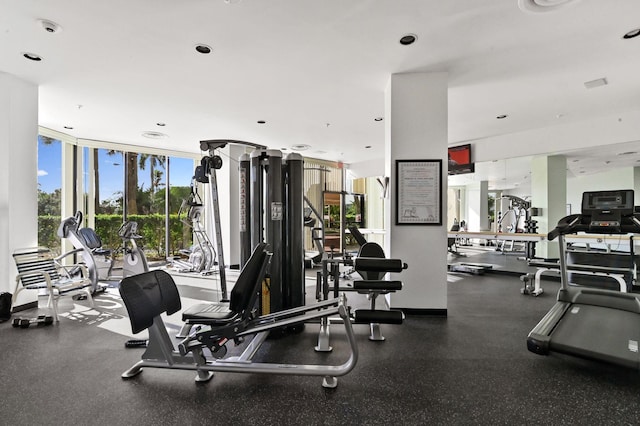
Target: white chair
38,269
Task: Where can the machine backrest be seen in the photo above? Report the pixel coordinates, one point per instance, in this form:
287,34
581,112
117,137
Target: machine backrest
371,250
91,239
148,295
246,289
32,262
357,235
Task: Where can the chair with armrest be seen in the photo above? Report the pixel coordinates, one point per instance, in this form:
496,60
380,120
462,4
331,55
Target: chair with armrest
39,270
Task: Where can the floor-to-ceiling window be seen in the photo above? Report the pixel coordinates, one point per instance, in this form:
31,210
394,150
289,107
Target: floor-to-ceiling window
49,191
181,173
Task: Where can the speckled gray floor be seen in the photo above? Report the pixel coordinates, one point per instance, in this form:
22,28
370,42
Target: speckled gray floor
470,368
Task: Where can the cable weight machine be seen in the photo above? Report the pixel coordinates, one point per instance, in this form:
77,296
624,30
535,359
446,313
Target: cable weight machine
271,211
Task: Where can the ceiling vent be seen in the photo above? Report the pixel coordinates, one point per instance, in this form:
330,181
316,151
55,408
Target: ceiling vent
596,83
543,5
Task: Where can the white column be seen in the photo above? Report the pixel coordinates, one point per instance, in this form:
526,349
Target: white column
549,192
229,197
416,129
477,216
636,185
18,175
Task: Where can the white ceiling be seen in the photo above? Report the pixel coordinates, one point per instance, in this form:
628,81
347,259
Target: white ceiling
316,71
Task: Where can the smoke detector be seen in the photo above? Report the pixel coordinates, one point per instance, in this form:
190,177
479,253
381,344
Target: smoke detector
543,5
49,26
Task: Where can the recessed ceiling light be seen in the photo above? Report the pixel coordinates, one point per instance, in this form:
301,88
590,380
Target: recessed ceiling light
160,124
408,39
300,147
378,119
154,135
32,56
543,5
203,48
49,26
261,122
501,116
632,34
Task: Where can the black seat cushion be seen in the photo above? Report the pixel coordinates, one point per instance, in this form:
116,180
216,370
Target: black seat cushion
148,295
371,250
91,239
209,313
243,295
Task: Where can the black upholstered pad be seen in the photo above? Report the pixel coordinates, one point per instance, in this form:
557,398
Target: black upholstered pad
243,296
377,285
148,295
208,313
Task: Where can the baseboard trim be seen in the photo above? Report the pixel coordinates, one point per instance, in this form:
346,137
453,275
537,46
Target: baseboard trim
424,312
30,305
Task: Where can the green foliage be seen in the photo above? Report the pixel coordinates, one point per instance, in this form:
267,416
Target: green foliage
49,203
48,232
150,227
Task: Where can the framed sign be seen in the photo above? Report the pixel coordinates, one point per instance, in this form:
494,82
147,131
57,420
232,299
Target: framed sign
418,192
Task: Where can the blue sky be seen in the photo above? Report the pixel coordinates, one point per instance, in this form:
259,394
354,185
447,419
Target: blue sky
110,168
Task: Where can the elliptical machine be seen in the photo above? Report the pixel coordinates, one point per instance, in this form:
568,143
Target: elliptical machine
202,254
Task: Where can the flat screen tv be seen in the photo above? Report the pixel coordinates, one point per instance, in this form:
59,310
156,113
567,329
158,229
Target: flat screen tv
460,160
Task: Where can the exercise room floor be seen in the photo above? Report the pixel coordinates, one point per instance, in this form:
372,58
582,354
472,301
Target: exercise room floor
469,368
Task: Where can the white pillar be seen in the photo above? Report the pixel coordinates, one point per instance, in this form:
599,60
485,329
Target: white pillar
18,175
549,192
636,185
477,216
229,197
416,129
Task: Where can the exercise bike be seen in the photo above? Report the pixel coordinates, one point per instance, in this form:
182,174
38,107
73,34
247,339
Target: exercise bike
100,261
134,261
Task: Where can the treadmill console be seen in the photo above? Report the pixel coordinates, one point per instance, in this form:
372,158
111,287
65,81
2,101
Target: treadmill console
606,211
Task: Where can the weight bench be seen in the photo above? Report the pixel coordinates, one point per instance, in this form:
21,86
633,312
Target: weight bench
148,295
39,270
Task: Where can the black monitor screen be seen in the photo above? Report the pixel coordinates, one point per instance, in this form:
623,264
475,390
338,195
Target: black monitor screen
598,202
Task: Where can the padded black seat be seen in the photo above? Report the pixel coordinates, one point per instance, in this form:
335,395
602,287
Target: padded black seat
93,241
371,250
243,296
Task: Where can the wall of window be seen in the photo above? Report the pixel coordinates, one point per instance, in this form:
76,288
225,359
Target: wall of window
110,185
49,191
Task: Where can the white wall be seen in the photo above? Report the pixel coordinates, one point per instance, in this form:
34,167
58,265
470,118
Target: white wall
621,178
18,174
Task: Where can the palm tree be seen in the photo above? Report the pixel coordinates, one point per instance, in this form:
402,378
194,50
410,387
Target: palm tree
154,161
131,163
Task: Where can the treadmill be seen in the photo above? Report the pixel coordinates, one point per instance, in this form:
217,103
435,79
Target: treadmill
593,323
